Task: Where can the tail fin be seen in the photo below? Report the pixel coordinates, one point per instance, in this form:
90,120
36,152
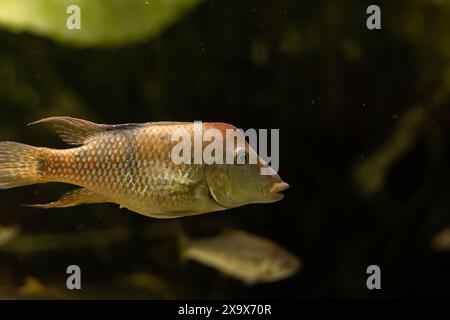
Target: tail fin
20,165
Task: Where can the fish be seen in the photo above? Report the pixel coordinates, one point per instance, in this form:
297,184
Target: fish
7,233
249,258
132,165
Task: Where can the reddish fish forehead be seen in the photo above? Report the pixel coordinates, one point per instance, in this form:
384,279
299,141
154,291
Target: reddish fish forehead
225,130
222,127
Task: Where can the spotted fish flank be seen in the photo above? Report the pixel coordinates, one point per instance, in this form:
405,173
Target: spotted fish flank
131,165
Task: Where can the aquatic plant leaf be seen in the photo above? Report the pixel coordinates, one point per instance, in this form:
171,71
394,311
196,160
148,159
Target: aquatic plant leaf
103,22
370,175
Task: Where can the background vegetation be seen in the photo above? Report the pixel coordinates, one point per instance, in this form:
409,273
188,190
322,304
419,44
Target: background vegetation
364,123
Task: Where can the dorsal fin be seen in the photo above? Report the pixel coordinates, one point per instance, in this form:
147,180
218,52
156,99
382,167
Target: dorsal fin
77,131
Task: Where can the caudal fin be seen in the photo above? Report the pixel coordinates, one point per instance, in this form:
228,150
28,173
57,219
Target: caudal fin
20,165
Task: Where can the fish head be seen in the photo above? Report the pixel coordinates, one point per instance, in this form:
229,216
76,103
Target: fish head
278,269
247,179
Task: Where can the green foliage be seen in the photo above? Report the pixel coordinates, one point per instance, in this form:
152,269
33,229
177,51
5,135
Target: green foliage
103,22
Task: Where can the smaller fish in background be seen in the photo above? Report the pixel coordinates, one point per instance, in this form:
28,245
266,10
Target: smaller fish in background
243,256
441,241
7,234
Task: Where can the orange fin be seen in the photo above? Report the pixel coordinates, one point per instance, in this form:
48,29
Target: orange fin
77,132
20,165
73,198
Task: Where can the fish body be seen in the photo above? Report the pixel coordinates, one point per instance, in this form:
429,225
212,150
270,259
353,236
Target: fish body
132,165
244,256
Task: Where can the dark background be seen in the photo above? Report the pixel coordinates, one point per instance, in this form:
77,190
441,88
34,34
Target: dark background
345,99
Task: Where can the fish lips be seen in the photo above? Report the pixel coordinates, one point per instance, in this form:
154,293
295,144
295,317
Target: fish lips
276,189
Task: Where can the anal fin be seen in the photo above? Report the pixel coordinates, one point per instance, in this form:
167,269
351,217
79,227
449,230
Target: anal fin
73,198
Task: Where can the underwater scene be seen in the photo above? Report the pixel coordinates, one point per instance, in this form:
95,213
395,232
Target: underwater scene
215,150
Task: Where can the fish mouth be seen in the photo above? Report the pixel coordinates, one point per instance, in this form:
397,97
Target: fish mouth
277,188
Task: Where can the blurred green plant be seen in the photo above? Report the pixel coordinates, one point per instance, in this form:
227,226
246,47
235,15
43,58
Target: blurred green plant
103,22
370,175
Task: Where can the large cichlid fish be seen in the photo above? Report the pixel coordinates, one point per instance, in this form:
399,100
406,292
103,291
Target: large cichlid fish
131,165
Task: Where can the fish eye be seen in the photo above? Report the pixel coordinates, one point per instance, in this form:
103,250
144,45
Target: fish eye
241,157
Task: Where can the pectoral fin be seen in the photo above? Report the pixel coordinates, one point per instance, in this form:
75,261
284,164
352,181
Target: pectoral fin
73,198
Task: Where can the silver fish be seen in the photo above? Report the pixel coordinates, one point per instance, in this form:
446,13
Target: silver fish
244,256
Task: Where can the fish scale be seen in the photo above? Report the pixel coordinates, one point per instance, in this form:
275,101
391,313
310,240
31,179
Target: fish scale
124,166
